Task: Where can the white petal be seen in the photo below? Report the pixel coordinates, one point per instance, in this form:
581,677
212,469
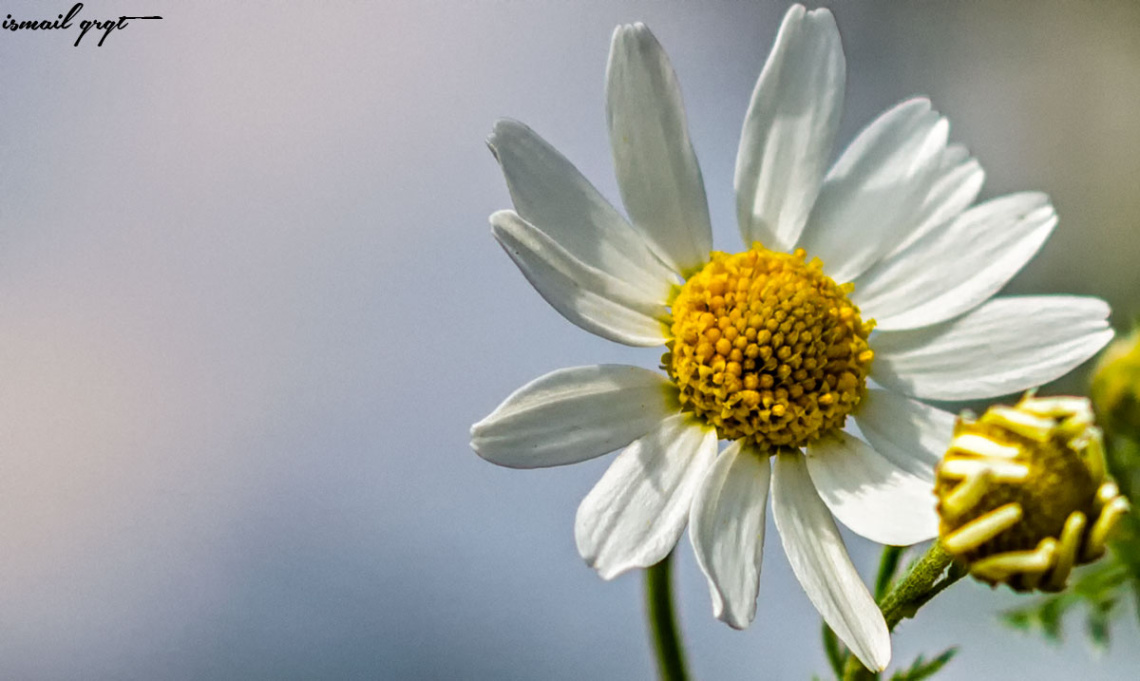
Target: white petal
954,155
636,513
870,494
957,267
726,528
959,179
871,197
820,561
657,169
575,414
598,302
550,193
913,435
789,129
1004,346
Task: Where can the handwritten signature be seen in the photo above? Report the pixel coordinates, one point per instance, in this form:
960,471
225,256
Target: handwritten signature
107,26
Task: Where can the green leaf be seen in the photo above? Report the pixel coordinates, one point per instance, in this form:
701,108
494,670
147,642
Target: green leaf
1136,595
1099,589
1098,629
1098,623
1022,618
922,669
1050,614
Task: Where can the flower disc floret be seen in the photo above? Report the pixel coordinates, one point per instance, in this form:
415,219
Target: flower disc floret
767,348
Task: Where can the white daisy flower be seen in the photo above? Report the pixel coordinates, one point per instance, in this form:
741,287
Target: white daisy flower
764,347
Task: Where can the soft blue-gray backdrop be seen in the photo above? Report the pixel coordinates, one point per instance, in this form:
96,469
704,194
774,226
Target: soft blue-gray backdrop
249,305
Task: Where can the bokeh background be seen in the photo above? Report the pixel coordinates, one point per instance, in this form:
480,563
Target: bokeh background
249,306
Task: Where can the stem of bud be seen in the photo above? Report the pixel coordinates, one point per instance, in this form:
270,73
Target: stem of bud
926,578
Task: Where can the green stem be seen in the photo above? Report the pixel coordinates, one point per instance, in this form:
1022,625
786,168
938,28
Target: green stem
932,573
663,621
927,578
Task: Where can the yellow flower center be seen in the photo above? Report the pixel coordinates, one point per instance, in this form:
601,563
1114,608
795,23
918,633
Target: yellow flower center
768,348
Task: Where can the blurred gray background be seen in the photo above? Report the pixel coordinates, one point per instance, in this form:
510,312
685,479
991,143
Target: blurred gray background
249,306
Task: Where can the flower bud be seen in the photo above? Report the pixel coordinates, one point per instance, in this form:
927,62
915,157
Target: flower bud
1115,387
1023,494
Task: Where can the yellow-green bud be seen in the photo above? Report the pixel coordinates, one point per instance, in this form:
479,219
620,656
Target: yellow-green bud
1023,494
1115,387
